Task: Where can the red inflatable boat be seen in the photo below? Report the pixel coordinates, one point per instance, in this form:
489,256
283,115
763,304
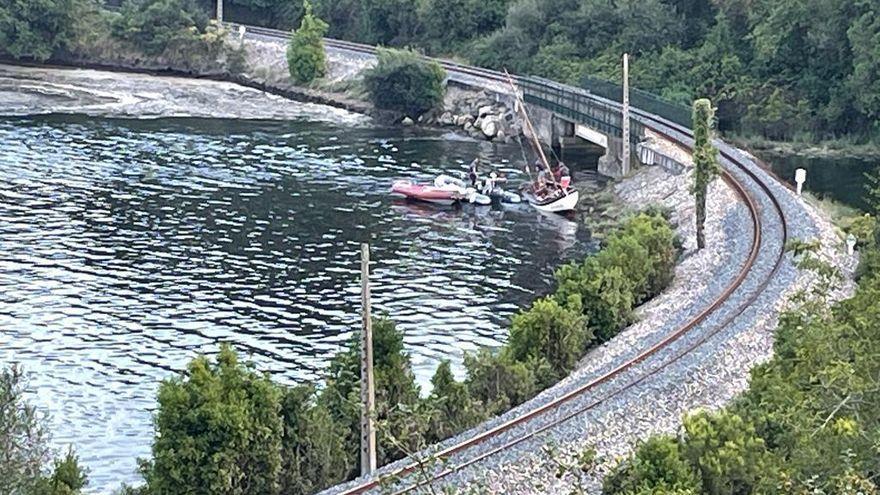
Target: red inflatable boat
424,192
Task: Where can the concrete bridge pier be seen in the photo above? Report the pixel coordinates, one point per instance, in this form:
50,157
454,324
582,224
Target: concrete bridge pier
611,163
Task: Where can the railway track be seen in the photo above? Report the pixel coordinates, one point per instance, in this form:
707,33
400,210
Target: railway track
766,254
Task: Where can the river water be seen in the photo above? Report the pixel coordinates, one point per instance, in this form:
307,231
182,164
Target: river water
127,246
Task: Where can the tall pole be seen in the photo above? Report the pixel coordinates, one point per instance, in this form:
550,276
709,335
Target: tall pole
626,148
368,392
219,11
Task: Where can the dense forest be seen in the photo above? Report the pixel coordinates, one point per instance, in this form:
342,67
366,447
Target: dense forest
805,70
782,69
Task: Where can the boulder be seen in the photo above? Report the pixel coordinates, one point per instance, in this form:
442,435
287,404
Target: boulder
490,127
478,123
447,118
407,121
500,136
468,126
484,110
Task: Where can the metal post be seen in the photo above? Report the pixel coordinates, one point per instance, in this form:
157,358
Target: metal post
219,11
625,155
368,393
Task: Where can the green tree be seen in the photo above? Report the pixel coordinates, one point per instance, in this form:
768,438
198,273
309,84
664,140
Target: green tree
314,452
452,409
155,26
657,466
396,392
35,29
218,430
550,332
496,383
403,82
727,453
306,59
864,37
705,162
24,452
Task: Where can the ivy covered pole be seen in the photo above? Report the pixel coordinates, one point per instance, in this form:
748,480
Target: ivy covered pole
625,155
705,162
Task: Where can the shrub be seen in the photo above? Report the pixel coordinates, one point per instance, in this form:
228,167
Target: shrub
313,445
551,332
496,382
451,405
635,264
218,428
306,59
35,29
396,392
25,453
657,466
154,26
403,82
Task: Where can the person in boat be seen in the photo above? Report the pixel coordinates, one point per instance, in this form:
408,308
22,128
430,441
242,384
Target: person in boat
489,183
563,175
473,176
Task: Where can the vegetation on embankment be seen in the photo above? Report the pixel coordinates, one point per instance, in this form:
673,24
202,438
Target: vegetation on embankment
810,421
224,427
27,464
781,70
777,70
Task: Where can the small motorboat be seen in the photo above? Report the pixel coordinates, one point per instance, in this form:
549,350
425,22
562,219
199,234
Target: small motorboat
448,182
497,194
558,202
424,192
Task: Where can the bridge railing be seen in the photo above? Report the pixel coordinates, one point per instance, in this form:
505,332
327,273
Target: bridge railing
649,102
580,106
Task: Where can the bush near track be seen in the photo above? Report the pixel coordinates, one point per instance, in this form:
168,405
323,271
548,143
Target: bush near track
809,423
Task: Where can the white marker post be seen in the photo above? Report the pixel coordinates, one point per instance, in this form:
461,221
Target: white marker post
800,176
850,244
219,11
241,32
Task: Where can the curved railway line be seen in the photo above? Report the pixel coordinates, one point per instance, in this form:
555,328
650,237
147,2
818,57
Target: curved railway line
769,234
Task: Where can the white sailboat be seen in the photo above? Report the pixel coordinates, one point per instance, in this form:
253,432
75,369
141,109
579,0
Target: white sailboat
553,197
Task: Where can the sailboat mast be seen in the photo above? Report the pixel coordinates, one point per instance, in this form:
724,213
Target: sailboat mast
530,128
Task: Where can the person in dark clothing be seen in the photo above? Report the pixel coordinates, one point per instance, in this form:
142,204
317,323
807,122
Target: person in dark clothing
472,173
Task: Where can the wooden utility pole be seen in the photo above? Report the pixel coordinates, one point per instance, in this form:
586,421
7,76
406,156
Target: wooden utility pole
624,169
219,11
368,392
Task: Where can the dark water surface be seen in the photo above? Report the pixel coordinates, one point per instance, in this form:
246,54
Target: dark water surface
128,246
838,178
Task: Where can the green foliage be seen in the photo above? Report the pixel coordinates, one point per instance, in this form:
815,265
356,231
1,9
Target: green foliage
35,29
657,466
306,59
809,422
451,404
727,453
403,82
218,429
496,382
155,26
314,451
25,458
705,162
551,332
396,392
636,263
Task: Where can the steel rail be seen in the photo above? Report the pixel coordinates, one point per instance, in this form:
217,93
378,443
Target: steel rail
657,125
